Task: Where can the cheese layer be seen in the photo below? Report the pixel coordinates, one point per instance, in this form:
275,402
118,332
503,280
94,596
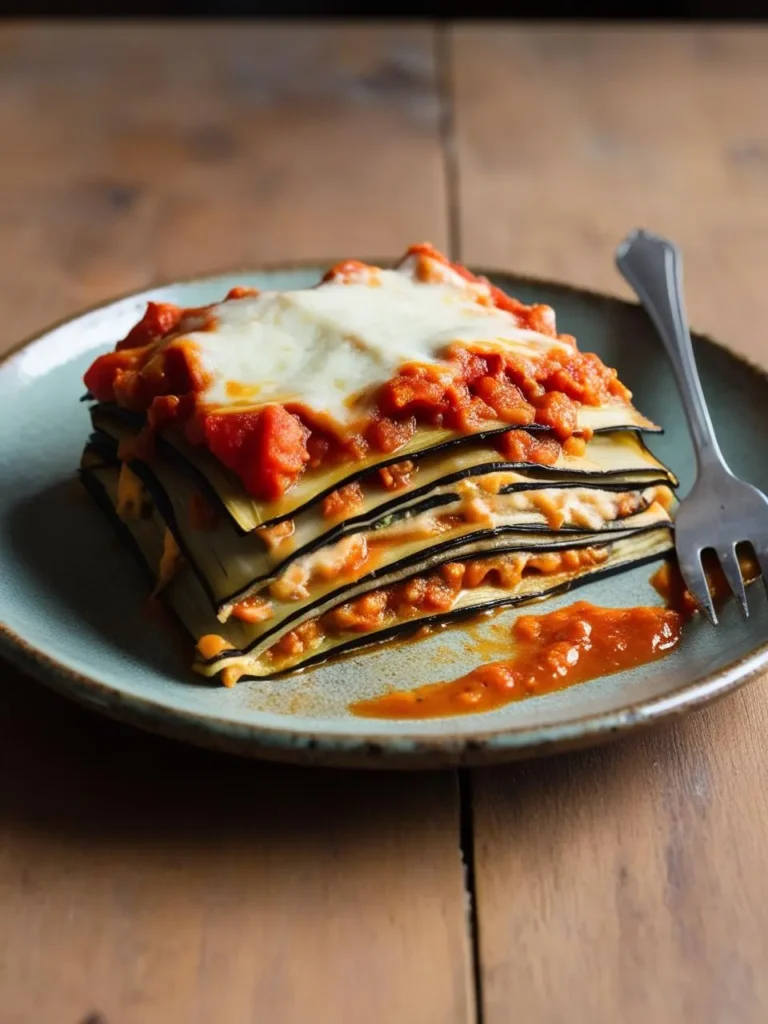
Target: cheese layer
329,346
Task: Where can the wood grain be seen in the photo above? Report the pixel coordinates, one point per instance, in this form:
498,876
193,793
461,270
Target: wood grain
570,137
141,152
151,882
629,883
142,882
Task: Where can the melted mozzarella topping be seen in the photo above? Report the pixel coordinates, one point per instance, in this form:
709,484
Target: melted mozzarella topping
324,346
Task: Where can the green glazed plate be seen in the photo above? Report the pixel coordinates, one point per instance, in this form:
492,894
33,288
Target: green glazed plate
71,599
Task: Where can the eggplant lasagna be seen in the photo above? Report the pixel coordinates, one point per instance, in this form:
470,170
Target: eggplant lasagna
308,472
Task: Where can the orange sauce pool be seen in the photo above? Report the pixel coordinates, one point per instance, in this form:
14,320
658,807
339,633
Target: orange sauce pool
553,651
562,648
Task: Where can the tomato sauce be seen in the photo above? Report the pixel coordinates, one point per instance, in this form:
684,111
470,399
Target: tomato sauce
668,582
160,319
344,502
265,447
553,651
520,446
398,475
253,609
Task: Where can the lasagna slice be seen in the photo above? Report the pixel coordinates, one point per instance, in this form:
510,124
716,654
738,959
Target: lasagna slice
313,471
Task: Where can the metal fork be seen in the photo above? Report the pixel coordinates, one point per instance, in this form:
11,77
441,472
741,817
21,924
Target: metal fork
721,511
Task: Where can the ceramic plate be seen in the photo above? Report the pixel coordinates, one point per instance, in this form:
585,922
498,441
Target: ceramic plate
71,599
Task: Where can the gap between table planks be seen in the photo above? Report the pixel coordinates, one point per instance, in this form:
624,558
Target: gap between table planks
142,882
630,883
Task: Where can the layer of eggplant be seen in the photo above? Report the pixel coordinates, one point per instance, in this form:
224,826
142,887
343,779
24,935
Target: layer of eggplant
628,551
143,537
616,451
380,551
416,560
232,567
248,514
188,600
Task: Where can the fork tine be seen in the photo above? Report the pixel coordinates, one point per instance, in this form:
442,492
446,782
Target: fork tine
696,582
729,563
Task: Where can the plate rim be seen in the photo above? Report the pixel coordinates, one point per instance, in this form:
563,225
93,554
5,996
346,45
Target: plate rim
409,751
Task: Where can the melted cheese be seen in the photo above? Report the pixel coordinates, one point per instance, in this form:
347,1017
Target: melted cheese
132,497
329,562
170,561
585,507
324,346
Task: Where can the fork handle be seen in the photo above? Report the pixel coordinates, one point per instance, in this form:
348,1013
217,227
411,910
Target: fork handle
653,266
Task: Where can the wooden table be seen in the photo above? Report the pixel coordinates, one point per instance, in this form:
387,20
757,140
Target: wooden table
145,883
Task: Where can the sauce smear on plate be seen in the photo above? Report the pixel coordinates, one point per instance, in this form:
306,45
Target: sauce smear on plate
562,648
553,651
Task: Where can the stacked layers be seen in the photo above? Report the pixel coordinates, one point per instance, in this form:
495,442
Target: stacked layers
309,472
